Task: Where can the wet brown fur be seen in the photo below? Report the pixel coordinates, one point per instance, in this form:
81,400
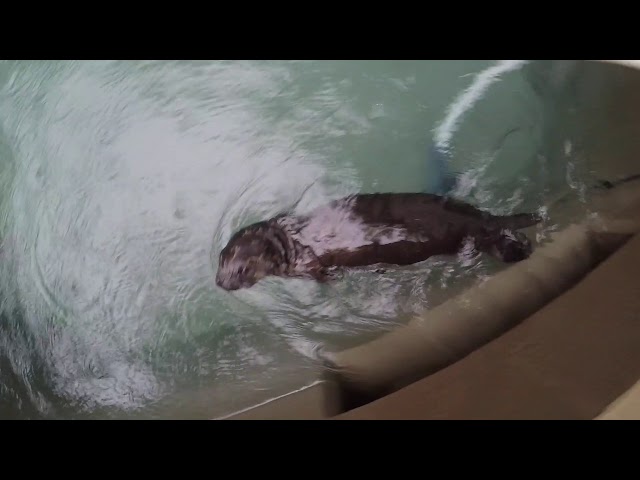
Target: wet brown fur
352,231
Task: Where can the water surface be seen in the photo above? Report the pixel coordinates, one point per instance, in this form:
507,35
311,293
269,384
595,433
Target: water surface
122,180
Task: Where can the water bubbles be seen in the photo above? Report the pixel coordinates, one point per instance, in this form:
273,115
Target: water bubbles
377,111
129,177
568,147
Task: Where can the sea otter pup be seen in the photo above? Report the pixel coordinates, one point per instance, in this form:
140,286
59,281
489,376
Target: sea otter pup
367,229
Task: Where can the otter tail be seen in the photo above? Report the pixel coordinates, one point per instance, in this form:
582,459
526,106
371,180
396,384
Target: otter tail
518,221
607,185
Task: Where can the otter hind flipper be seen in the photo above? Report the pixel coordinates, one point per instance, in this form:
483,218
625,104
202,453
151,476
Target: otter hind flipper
325,274
507,246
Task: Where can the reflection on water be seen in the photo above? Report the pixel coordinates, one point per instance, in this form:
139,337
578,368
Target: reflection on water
121,181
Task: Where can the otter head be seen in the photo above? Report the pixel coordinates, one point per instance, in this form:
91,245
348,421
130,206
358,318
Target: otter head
251,255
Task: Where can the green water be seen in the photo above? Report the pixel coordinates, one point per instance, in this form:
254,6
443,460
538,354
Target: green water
122,180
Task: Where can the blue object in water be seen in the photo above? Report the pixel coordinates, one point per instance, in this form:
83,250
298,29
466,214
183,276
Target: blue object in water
440,179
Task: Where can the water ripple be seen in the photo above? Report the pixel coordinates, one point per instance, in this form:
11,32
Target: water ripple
123,180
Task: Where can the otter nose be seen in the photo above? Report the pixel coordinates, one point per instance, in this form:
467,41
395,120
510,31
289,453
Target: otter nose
226,283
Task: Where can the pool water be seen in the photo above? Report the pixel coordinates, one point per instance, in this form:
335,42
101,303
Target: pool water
122,180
